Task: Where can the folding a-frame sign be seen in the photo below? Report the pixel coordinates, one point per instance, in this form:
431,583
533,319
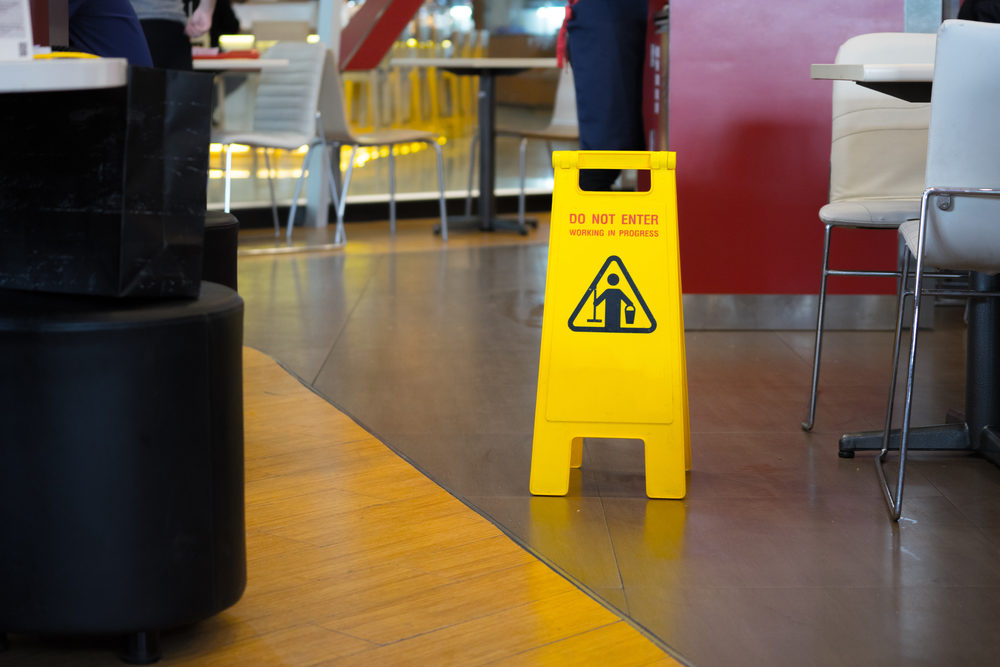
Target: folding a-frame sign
612,355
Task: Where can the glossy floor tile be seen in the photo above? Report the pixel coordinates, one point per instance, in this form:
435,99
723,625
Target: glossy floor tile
781,554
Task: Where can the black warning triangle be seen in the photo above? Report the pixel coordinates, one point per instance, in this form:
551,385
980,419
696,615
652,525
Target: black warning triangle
612,299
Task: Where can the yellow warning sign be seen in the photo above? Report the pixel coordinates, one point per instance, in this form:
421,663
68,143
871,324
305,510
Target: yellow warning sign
612,354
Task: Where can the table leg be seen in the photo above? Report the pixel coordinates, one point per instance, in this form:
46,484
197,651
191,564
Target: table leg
982,393
487,149
982,408
487,219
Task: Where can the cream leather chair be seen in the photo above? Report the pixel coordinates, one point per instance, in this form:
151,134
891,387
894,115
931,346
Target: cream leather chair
959,216
877,157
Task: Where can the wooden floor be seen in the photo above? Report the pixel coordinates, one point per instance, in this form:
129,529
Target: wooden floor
356,558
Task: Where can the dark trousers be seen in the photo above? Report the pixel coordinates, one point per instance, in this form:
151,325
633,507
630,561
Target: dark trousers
607,46
107,28
980,10
169,46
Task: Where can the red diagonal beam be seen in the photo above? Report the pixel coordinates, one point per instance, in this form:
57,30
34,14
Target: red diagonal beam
372,30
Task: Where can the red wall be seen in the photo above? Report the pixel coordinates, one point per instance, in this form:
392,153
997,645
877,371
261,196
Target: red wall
752,136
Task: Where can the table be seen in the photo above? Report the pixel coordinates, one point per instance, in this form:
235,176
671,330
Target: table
487,69
910,82
973,429
27,76
238,64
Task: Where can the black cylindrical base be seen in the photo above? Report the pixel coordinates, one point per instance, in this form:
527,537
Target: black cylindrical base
121,477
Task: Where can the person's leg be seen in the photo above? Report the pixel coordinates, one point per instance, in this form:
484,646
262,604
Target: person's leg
108,28
606,40
169,46
980,10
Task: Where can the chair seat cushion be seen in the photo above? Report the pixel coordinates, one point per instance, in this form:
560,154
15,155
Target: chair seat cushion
951,248
286,140
551,133
887,213
392,136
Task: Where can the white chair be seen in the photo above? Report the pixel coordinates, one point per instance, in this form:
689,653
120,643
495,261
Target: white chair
284,113
562,127
877,157
336,132
959,217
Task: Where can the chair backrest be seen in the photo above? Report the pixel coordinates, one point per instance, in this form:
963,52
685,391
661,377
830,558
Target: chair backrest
964,146
879,143
564,109
287,97
331,102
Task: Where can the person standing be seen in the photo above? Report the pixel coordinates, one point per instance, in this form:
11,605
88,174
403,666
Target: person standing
980,10
169,30
107,28
606,42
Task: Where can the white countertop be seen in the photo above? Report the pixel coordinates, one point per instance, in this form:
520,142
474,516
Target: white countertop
875,73
22,76
238,64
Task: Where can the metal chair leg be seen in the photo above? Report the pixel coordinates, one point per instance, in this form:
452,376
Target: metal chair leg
298,191
903,262
270,186
472,172
820,312
229,176
392,190
520,196
339,235
901,294
440,168
894,498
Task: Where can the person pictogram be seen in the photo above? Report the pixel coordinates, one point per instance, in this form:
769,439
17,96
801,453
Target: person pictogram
618,302
613,298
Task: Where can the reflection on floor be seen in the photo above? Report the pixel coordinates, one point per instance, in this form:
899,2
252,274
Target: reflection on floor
782,552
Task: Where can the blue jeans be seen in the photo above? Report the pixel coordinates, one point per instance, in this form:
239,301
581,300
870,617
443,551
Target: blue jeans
108,28
607,47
